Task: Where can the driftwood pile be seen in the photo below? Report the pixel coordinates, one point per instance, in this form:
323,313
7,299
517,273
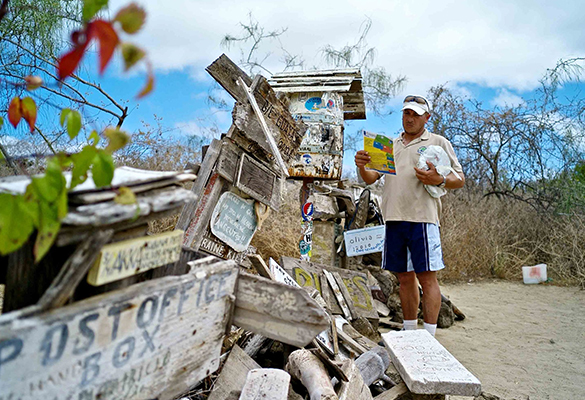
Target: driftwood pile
346,361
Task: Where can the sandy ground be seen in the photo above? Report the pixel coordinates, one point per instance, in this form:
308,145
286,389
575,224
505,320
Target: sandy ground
521,341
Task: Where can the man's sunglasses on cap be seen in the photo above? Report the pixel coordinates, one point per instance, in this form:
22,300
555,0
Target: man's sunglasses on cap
416,99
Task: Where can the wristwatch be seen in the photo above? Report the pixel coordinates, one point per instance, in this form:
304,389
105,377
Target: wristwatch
442,184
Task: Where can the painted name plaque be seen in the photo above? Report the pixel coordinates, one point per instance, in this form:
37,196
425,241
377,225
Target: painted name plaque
364,241
130,257
234,221
151,340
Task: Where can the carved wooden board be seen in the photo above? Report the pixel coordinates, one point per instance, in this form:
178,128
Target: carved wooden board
212,245
287,133
151,340
310,274
130,257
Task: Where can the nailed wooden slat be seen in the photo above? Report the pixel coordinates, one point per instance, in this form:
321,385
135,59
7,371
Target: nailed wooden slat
278,311
152,340
73,271
205,172
321,72
226,73
337,293
233,374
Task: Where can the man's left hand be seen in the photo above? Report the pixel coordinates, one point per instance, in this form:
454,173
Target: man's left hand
429,177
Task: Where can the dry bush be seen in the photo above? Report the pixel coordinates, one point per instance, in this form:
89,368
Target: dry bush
281,231
489,237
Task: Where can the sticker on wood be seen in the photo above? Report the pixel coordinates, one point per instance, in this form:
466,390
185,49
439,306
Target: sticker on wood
130,257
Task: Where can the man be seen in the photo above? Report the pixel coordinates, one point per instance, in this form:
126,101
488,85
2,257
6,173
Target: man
413,247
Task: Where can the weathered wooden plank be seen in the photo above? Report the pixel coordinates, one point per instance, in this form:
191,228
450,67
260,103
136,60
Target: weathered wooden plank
110,212
338,295
354,388
286,132
226,73
129,257
277,311
258,182
266,384
392,393
265,129
207,168
307,274
73,271
200,218
233,375
351,332
427,367
105,195
280,275
261,267
228,160
151,340
212,245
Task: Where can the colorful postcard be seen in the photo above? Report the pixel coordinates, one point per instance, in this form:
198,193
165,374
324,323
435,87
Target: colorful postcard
381,150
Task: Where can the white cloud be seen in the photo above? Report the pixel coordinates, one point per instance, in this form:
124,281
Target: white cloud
505,98
494,44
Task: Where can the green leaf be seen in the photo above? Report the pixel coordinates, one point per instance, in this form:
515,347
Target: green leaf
73,124
95,137
64,113
49,225
131,55
103,169
1,122
116,139
131,18
16,224
49,186
91,8
81,163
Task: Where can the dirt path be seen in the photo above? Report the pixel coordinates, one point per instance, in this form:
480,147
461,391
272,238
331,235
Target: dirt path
521,341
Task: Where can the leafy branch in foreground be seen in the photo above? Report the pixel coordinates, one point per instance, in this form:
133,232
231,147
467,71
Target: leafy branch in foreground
44,203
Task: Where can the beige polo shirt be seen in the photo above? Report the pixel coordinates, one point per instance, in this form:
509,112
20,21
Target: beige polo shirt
404,197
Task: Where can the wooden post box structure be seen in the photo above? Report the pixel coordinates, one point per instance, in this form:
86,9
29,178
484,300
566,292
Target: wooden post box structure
323,100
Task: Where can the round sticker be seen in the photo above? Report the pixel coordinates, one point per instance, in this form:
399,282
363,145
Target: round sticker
307,159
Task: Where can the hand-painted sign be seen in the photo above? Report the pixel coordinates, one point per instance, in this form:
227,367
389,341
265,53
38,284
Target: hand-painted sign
364,241
234,221
130,257
212,245
151,340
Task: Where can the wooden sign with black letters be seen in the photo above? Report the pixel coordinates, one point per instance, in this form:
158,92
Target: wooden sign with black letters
151,340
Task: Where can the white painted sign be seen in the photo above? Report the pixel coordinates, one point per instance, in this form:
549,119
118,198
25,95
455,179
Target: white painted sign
151,340
364,241
130,257
234,221
427,367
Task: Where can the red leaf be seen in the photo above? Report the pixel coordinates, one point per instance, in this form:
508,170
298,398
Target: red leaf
108,38
14,112
69,62
149,84
29,112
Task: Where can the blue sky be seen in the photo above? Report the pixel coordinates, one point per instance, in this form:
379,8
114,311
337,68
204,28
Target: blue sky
492,51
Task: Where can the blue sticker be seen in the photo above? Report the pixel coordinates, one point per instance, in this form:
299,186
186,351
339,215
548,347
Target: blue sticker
421,149
307,159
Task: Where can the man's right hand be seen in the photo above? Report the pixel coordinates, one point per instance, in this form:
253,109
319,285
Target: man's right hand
362,158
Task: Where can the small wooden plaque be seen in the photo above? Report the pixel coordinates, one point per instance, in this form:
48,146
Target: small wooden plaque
130,257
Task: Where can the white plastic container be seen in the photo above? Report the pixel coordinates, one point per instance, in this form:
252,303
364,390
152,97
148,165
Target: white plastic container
535,274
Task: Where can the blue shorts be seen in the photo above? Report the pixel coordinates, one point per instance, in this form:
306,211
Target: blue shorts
412,246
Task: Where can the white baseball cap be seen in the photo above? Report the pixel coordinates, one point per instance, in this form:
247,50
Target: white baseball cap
418,104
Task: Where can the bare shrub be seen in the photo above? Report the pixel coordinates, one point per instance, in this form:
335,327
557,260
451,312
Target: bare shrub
487,237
